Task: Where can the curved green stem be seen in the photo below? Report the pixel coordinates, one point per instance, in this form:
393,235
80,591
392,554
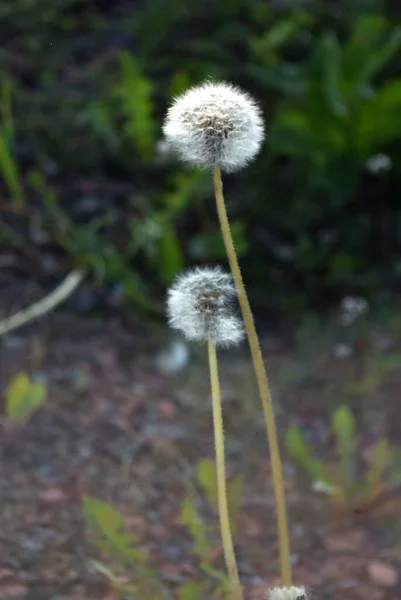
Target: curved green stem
262,381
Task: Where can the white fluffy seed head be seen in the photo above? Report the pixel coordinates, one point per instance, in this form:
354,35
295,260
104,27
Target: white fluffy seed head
287,593
200,305
215,124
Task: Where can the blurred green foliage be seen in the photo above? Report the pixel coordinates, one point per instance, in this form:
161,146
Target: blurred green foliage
85,88
23,398
341,479
130,572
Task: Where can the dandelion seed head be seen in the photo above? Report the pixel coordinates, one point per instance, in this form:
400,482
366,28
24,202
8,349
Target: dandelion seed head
287,593
215,124
200,305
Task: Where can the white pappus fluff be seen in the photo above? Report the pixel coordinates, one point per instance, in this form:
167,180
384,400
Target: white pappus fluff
200,305
215,124
287,593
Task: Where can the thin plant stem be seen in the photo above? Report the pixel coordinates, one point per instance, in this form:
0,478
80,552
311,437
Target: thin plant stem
45,305
225,528
264,392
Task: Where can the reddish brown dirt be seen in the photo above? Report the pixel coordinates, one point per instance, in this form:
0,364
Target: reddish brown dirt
115,428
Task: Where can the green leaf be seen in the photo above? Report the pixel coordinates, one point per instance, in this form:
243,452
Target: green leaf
108,528
8,165
198,530
221,576
135,92
119,585
191,591
330,58
382,54
265,47
105,571
9,171
369,49
184,187
300,453
23,398
207,481
379,120
179,84
381,460
211,246
395,468
6,109
170,260
234,494
292,135
344,429
102,122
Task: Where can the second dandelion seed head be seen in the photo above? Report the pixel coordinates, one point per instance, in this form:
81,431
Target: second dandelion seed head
287,593
200,305
215,124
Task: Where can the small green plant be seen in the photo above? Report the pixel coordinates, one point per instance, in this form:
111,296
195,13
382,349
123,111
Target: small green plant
123,118
8,166
122,548
23,398
206,473
130,573
203,534
341,479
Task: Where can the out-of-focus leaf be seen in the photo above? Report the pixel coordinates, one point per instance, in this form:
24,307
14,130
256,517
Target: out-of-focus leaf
9,171
211,246
191,591
6,109
234,494
389,47
105,571
103,125
266,47
344,429
368,31
381,460
135,92
395,468
292,135
170,260
207,480
8,165
179,84
110,533
380,117
331,77
300,453
198,530
22,399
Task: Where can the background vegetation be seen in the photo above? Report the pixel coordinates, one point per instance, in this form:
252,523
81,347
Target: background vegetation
86,178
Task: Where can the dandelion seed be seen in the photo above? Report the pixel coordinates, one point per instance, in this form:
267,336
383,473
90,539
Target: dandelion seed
215,124
287,593
200,305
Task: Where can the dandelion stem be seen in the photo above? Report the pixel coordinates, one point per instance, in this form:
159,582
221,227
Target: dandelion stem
221,476
262,381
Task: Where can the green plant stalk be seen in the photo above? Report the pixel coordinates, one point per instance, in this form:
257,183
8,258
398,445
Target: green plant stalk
225,527
264,392
9,171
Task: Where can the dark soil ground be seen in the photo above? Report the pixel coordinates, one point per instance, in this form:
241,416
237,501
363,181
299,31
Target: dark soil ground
116,428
